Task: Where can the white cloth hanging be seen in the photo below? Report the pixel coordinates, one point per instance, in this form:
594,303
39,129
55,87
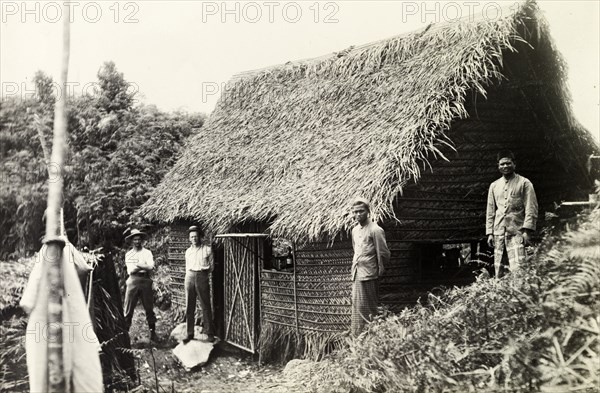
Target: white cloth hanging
83,372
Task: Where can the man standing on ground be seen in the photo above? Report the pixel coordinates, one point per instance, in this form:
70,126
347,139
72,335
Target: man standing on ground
199,263
140,263
511,216
371,254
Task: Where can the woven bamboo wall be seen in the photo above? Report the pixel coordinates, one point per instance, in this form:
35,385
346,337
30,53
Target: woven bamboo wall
317,297
177,245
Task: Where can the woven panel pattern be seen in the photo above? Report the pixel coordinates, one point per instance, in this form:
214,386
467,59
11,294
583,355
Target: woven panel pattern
317,297
177,245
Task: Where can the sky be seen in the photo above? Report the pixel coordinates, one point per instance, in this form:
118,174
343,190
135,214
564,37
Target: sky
178,55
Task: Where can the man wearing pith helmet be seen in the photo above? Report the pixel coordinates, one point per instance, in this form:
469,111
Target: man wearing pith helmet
199,263
511,216
140,263
371,254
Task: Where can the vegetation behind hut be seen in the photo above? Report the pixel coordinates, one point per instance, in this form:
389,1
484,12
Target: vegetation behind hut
118,152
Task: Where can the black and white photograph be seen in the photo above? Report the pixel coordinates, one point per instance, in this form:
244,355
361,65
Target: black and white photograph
304,196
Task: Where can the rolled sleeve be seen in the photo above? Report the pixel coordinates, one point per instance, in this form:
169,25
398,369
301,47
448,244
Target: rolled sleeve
150,260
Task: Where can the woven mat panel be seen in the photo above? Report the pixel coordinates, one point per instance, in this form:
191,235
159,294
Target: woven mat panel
325,257
277,298
319,298
343,244
178,243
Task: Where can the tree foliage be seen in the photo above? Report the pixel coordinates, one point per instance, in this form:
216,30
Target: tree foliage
118,152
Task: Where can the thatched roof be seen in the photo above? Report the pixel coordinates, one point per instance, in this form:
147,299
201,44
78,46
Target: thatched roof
294,144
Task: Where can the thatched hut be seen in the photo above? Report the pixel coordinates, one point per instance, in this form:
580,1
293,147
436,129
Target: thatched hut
412,123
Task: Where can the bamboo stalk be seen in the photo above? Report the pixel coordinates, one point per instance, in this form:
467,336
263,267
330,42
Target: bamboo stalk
53,257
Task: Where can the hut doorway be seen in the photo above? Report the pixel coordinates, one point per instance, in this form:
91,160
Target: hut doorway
243,256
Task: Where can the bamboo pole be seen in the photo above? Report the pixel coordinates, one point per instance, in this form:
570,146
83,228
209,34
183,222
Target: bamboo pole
295,278
53,256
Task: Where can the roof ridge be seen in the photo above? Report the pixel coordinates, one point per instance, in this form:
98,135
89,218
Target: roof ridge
431,27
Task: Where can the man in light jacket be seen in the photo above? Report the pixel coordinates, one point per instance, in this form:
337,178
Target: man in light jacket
511,216
371,254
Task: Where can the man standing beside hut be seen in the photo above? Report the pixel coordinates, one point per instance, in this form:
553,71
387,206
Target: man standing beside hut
511,216
371,254
199,263
140,263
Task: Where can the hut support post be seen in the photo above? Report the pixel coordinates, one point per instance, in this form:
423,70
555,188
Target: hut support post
295,290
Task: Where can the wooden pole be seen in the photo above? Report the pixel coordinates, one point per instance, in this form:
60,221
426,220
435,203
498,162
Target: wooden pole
53,256
295,278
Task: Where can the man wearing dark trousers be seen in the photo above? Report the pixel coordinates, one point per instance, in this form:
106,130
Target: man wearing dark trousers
199,263
140,263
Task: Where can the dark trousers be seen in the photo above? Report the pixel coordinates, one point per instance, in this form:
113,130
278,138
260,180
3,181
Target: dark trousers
197,287
139,287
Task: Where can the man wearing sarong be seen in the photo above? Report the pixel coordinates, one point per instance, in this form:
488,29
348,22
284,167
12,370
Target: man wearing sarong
511,216
199,263
371,254
140,263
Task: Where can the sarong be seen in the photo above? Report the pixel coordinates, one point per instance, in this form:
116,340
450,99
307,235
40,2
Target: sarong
365,295
509,253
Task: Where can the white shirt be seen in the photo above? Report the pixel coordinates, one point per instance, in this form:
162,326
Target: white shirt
199,258
137,261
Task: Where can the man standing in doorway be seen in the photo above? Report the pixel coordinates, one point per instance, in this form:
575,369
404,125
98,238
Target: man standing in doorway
511,216
199,263
140,263
371,254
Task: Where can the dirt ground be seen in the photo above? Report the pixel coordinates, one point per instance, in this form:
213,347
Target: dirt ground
229,370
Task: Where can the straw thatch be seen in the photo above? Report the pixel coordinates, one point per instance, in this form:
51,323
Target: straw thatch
293,144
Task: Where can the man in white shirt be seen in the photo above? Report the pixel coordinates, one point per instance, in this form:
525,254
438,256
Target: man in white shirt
140,263
199,263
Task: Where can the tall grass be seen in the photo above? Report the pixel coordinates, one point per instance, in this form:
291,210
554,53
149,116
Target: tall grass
13,370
